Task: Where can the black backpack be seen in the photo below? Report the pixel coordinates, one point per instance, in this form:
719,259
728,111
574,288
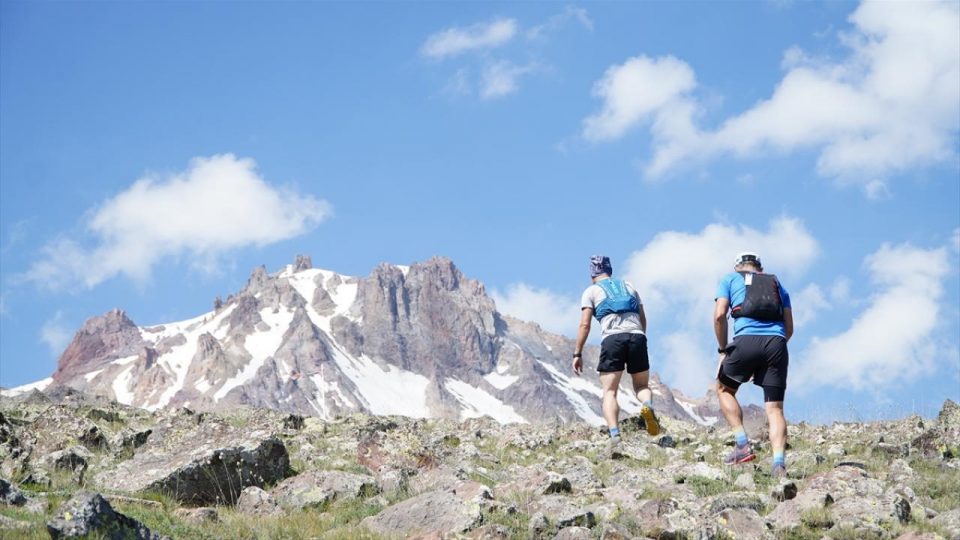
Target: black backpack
762,301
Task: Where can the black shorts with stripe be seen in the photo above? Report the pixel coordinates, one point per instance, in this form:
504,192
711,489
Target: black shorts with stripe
621,351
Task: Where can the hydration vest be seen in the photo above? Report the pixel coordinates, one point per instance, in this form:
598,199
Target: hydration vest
762,301
618,299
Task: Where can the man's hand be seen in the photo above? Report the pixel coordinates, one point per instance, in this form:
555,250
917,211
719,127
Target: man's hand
577,365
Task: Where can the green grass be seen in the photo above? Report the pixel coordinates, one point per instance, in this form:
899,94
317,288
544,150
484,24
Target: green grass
517,523
339,519
940,484
817,518
37,530
706,487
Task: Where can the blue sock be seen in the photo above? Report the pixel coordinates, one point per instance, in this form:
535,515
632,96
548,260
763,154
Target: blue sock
614,432
740,435
779,458
649,403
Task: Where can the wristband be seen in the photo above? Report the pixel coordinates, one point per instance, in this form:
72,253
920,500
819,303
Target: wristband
577,355
722,350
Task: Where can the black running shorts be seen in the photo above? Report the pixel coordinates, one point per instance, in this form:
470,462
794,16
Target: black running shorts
624,350
763,358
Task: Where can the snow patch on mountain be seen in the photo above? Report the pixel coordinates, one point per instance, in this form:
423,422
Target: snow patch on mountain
499,381
477,403
580,405
690,409
385,389
16,391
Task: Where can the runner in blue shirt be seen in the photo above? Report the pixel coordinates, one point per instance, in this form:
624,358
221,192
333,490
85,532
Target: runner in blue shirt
763,323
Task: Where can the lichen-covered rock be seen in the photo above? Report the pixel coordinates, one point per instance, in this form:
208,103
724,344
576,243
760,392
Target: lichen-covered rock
784,490
563,511
436,513
741,523
11,495
949,522
943,439
319,488
58,428
75,459
256,501
211,463
786,516
534,479
574,533
89,514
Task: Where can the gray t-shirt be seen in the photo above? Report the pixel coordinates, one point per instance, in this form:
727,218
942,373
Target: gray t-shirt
614,323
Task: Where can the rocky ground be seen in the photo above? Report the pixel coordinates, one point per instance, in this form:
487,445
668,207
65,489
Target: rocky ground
71,465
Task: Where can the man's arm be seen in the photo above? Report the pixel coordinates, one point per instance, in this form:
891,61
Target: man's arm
788,322
586,316
643,320
720,321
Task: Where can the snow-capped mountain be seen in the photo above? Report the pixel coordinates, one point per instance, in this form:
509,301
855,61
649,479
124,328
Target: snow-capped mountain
420,341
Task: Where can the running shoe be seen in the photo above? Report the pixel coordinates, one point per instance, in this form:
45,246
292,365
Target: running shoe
650,420
740,454
778,471
612,445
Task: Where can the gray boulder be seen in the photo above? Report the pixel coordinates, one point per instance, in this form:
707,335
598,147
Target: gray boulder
949,522
11,494
574,533
89,514
564,512
741,523
75,459
786,516
256,501
319,488
437,513
534,479
211,463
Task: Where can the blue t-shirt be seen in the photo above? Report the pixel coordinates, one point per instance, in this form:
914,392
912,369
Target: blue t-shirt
733,288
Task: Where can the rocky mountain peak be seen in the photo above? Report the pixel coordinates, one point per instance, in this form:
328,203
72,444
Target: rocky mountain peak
302,262
101,339
257,280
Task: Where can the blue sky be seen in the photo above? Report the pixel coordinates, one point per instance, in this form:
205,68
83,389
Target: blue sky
152,154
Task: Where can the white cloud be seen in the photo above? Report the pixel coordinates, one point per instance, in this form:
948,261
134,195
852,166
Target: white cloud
496,77
633,90
676,275
500,79
559,20
553,312
955,240
892,104
457,40
807,304
840,292
218,204
55,334
893,335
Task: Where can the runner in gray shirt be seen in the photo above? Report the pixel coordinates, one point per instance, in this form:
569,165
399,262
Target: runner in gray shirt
623,344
